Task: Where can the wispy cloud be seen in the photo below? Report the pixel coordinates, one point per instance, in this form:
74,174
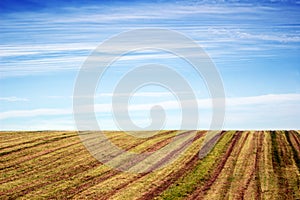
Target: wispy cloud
34,113
255,38
269,36
249,112
57,123
62,43
13,99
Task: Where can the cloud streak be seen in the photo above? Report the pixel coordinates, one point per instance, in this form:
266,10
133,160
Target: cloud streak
62,43
250,112
12,99
260,40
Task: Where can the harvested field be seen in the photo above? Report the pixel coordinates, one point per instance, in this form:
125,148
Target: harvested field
242,165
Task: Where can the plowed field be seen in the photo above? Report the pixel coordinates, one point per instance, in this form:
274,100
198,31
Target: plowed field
242,165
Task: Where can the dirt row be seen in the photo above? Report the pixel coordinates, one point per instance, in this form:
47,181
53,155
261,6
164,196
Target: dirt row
285,166
135,178
150,194
248,165
200,193
96,179
245,172
39,167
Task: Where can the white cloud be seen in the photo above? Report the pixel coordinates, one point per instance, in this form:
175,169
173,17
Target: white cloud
240,34
25,50
83,28
151,11
270,99
57,123
257,112
280,111
12,99
33,113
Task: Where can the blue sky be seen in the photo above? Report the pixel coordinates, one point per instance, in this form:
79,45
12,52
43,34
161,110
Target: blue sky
255,46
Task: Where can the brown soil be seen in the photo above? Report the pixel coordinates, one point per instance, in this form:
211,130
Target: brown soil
254,172
200,192
110,174
156,191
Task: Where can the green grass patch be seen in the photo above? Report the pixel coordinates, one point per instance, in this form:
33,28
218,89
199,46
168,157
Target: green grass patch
201,173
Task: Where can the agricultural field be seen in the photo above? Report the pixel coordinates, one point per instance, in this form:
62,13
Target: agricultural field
242,165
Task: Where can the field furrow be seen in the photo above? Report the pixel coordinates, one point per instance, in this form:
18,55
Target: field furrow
241,165
204,170
95,178
127,188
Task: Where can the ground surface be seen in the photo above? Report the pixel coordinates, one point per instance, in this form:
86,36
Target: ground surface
242,165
